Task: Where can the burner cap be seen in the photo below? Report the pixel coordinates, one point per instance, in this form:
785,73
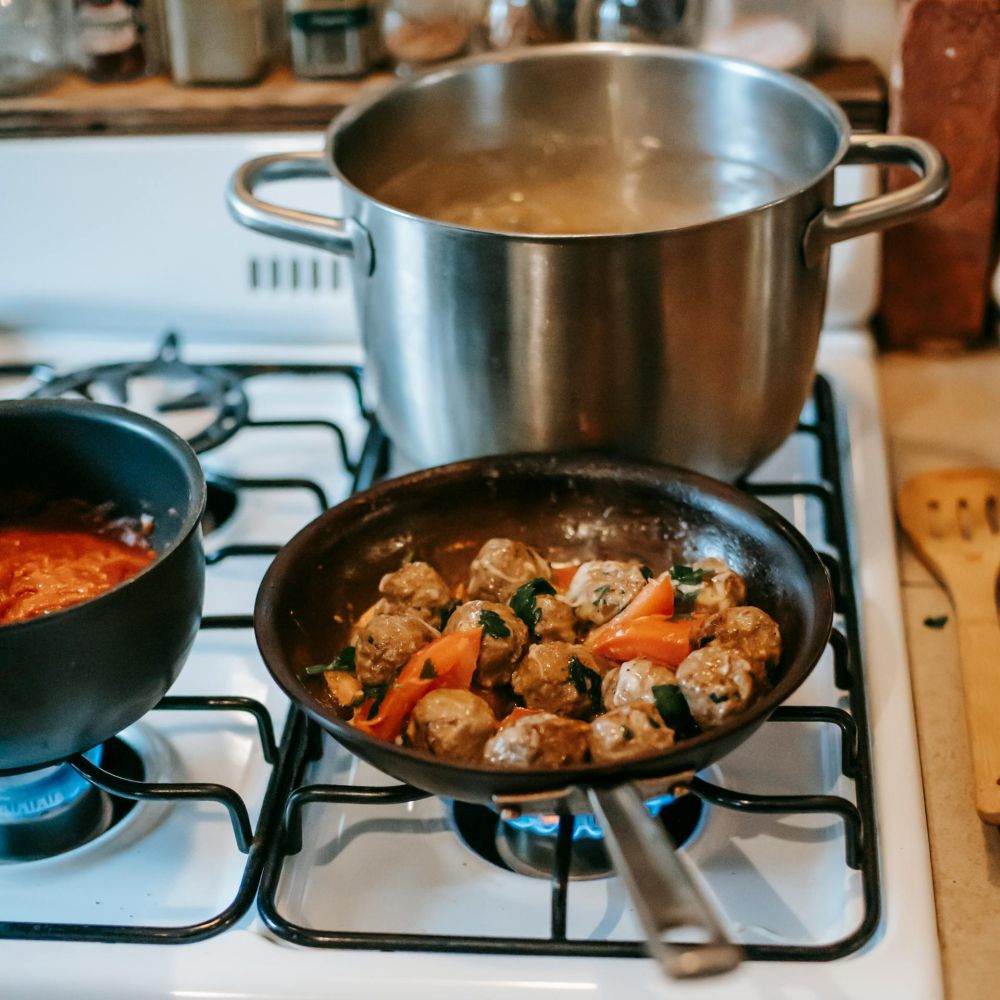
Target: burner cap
527,845
205,404
51,811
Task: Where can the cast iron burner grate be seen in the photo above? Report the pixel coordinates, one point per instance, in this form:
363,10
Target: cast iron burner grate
117,782
861,850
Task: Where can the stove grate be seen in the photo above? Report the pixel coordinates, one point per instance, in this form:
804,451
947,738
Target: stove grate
861,849
254,842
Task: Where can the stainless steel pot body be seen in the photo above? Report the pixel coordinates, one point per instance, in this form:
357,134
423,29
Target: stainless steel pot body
693,345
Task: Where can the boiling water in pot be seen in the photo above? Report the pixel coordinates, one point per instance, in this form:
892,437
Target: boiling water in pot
565,186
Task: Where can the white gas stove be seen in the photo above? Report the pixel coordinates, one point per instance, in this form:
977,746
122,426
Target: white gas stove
389,896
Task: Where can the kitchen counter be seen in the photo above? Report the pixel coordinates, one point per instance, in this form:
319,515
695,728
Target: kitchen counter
939,412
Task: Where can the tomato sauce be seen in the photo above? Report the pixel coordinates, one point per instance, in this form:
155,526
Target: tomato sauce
45,567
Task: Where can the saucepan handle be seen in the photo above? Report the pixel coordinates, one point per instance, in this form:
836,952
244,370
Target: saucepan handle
340,236
841,222
665,895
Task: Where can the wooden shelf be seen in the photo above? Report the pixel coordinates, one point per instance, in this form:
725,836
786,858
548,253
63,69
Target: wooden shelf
155,105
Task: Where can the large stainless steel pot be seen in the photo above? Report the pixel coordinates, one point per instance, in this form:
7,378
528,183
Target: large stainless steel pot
693,345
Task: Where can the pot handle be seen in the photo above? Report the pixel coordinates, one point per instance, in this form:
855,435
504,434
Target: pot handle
841,222
664,893
340,236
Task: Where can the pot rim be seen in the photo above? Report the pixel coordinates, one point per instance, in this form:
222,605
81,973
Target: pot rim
145,426
433,75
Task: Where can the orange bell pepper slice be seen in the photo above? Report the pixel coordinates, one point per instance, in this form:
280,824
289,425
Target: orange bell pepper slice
652,637
564,576
446,662
656,598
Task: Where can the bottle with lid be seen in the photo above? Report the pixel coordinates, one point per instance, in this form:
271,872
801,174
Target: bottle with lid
333,38
221,42
109,39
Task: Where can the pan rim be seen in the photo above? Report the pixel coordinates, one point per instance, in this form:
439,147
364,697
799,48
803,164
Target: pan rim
540,464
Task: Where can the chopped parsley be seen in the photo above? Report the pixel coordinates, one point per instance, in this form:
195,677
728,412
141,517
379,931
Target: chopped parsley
427,671
377,693
601,593
523,602
674,709
938,621
688,576
493,625
647,573
718,699
344,660
586,681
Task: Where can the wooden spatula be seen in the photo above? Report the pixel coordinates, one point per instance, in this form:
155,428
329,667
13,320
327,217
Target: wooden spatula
952,520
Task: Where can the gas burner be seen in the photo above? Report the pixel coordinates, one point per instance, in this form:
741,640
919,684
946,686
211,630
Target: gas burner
220,504
527,845
54,810
205,404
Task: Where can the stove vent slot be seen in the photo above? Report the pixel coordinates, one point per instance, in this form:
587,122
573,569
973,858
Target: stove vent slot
291,275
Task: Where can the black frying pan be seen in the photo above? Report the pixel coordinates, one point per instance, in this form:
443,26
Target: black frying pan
574,508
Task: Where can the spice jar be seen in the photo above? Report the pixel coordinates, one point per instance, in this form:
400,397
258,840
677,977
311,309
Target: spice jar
219,42
31,45
109,39
776,33
660,21
333,38
510,23
420,32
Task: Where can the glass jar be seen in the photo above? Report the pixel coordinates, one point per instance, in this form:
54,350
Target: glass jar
418,33
511,23
221,42
109,39
664,22
31,45
776,33
333,38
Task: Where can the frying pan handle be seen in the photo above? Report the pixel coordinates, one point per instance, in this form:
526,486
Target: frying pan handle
341,236
842,222
665,895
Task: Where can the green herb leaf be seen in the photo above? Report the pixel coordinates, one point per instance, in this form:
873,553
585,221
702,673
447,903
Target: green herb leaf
377,692
718,699
647,573
674,709
523,602
936,622
688,576
493,625
344,660
427,671
586,681
601,592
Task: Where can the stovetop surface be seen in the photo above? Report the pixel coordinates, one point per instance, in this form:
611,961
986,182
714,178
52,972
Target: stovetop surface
779,879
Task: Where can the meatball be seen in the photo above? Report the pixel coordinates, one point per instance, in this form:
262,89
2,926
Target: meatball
538,739
498,653
556,621
600,589
452,723
501,566
725,588
634,682
415,588
629,731
718,682
382,647
749,630
562,678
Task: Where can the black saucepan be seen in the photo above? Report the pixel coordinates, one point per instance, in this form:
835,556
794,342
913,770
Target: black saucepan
571,507
74,678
